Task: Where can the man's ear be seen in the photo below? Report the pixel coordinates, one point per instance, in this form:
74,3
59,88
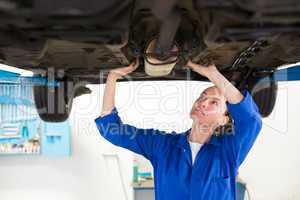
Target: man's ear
225,120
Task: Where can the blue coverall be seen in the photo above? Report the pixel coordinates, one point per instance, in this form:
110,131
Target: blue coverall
213,175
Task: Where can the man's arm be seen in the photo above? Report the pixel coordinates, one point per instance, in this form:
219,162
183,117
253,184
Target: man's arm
147,142
231,93
110,87
247,125
242,108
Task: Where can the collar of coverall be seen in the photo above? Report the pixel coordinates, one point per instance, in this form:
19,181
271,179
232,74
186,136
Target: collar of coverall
183,140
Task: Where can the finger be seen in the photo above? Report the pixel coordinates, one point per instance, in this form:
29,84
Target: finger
191,64
129,69
134,65
137,63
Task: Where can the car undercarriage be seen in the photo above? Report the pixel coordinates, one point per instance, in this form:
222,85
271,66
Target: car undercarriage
77,42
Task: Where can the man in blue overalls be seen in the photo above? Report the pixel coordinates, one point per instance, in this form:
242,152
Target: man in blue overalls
196,164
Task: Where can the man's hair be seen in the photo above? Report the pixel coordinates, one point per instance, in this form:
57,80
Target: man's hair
227,128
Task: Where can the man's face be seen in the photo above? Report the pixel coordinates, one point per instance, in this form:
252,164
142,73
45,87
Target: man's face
209,109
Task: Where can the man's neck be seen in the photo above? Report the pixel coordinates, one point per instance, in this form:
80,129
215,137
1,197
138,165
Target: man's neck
199,134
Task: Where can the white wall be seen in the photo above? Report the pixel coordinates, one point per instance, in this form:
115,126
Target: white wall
271,169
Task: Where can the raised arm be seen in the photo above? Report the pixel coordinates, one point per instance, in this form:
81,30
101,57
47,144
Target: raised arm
147,142
242,108
110,87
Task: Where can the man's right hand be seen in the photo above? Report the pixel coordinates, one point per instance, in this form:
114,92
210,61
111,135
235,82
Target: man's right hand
123,71
201,69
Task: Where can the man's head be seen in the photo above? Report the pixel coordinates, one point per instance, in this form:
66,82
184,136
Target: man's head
210,109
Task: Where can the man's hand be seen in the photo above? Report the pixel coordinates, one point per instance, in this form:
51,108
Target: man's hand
231,93
201,69
123,71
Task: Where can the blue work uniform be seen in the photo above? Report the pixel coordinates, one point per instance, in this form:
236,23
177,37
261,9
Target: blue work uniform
213,174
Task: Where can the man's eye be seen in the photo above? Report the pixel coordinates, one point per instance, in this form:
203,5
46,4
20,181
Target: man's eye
214,102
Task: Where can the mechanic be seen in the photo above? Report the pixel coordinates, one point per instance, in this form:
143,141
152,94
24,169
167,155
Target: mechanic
197,163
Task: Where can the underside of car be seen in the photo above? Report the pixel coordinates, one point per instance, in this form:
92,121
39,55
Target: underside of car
78,42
